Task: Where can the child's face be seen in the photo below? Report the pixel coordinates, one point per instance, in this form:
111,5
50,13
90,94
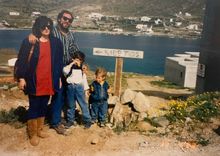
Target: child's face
85,68
100,78
77,62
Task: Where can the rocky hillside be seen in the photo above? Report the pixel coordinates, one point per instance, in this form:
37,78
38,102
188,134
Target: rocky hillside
122,7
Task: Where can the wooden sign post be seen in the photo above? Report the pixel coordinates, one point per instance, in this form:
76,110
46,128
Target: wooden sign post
119,54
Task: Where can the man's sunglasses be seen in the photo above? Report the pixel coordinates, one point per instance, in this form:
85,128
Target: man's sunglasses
67,19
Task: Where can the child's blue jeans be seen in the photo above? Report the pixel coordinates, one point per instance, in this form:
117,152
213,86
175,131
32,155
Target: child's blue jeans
99,111
75,92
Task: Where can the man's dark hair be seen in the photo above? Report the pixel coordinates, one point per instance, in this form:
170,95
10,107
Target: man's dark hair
40,23
60,15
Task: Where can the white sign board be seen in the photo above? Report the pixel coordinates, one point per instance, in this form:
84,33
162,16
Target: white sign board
118,53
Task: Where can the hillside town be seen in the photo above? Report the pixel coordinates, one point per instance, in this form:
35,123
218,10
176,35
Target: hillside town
180,24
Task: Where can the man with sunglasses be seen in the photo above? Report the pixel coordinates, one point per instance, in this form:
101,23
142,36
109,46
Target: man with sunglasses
61,31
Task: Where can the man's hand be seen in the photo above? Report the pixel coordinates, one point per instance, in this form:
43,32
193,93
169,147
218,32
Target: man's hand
32,39
21,84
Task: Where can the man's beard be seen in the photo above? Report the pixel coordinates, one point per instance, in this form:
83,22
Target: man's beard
65,29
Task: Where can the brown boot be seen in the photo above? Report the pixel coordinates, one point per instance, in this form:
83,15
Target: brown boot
32,132
40,125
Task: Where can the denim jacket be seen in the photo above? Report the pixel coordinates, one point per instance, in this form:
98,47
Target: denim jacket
98,92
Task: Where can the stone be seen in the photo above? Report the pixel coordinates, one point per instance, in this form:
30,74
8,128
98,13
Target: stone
94,141
144,126
162,121
128,96
141,116
112,100
116,116
141,103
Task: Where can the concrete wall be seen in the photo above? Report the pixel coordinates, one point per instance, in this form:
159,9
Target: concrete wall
174,72
190,76
182,69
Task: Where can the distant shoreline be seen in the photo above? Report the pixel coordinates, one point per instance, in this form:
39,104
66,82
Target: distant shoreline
127,33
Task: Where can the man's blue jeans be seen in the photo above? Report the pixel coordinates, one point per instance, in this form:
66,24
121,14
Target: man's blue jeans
99,111
75,92
57,102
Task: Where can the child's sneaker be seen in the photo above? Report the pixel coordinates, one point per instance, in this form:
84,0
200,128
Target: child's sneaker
102,124
87,125
93,121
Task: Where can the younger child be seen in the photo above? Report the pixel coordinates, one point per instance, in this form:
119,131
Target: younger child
99,90
75,90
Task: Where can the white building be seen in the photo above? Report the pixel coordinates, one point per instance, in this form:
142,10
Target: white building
182,69
117,30
35,13
188,14
144,28
178,24
5,23
14,13
95,16
158,21
193,27
145,19
11,62
141,26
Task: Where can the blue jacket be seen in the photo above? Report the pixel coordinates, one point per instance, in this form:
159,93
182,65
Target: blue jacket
27,70
98,92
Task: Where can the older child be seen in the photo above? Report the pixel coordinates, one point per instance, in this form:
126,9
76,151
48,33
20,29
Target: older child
76,86
99,90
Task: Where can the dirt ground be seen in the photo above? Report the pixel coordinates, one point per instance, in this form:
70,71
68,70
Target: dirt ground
98,141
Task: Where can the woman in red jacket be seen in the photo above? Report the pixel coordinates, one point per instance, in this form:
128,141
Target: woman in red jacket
38,73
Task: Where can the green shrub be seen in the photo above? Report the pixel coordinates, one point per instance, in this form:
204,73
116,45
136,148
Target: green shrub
16,117
200,107
166,84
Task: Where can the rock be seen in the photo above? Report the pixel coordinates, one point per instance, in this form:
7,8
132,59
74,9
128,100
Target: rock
116,116
141,116
4,87
95,141
113,100
127,119
140,102
3,95
162,121
143,144
144,126
128,96
14,88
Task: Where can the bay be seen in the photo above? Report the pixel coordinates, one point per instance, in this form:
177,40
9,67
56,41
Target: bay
156,49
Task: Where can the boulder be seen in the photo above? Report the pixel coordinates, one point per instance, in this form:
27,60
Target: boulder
128,96
141,103
162,121
112,100
116,116
141,116
144,126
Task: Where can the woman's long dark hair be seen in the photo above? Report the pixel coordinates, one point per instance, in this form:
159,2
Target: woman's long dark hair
40,23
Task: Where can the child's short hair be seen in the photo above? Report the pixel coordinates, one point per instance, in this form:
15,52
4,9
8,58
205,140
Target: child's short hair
78,55
101,71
